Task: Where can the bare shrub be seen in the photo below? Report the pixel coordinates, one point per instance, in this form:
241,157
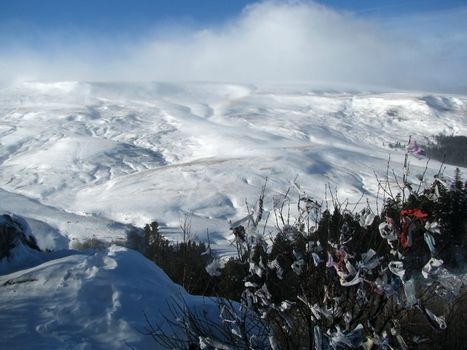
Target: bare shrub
336,279
91,243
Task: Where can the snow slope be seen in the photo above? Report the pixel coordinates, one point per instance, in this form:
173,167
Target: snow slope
88,301
81,160
90,159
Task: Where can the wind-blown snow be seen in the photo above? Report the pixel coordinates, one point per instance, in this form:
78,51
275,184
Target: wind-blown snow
89,158
88,301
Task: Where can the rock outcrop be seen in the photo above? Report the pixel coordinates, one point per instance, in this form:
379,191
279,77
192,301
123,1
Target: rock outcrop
15,232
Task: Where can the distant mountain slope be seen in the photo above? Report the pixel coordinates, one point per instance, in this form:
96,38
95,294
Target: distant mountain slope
132,153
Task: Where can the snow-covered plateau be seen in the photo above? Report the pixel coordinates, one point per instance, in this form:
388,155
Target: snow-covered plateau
86,159
82,160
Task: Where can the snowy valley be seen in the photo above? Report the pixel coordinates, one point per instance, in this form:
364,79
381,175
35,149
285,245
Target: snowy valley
95,160
84,159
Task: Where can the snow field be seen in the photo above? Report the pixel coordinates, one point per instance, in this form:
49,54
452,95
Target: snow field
84,160
105,156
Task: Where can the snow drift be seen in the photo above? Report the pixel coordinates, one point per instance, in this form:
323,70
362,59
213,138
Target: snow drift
93,300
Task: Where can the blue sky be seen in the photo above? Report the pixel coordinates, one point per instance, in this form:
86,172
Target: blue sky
411,44
111,16
117,16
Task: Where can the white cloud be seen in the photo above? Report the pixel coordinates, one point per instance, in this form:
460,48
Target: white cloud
268,41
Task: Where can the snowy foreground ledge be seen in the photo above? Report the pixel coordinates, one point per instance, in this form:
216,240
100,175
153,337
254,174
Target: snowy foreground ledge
89,300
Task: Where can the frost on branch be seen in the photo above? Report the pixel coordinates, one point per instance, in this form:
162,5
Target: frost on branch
335,279
348,280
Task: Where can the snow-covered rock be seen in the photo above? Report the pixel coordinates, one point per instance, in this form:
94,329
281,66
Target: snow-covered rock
18,247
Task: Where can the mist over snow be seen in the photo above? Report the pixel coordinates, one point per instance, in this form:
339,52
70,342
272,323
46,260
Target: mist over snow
267,41
87,159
